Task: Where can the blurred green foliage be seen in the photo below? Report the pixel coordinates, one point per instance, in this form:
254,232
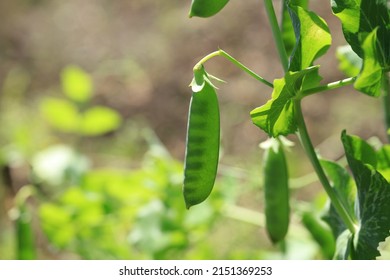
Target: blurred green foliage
75,115
82,178
64,203
126,214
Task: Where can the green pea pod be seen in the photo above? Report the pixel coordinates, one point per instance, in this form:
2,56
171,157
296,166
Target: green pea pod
206,8
202,149
276,192
321,233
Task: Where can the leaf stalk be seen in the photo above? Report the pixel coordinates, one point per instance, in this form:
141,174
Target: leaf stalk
276,33
309,149
235,62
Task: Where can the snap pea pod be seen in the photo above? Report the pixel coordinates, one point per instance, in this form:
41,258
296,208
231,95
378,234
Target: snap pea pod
206,8
276,192
203,139
321,233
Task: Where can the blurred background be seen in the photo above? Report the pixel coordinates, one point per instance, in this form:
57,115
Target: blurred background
93,106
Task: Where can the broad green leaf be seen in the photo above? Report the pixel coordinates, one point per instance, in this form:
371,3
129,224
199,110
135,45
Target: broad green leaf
366,28
61,114
277,116
206,8
359,18
383,158
360,150
76,83
287,26
99,120
373,203
370,79
350,62
313,38
203,139
345,188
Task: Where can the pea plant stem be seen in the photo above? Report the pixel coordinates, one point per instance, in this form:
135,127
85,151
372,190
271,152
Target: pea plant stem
236,63
309,149
302,130
333,85
276,33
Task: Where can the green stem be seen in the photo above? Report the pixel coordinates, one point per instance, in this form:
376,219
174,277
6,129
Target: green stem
309,149
386,102
236,63
333,85
246,69
277,34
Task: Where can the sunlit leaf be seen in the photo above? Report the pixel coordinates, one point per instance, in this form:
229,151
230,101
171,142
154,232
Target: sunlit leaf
287,26
76,83
360,150
61,114
370,79
53,220
99,120
373,203
277,116
312,35
366,28
359,18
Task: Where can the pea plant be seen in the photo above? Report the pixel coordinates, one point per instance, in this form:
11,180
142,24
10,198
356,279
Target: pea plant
358,215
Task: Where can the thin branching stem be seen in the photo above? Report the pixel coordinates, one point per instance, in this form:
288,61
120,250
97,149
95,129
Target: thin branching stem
236,63
309,149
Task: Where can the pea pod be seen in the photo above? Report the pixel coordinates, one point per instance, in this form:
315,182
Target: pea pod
321,233
206,8
276,192
202,147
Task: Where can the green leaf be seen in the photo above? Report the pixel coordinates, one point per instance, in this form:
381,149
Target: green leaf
383,156
370,79
288,34
99,120
366,28
359,18
313,38
350,62
76,83
345,188
203,139
206,8
277,116
360,150
373,202
61,114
